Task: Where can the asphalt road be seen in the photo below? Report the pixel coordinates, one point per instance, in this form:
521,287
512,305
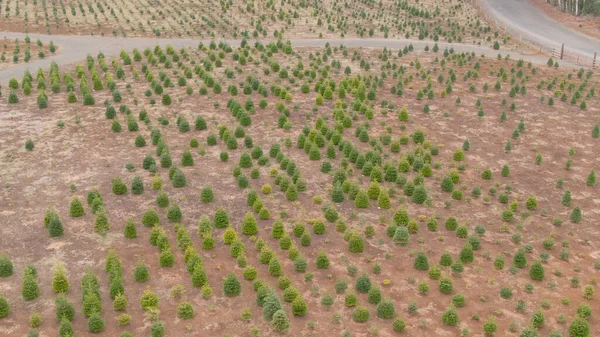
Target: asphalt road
74,49
522,16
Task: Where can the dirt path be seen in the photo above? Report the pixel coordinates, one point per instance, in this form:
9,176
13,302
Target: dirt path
528,20
74,49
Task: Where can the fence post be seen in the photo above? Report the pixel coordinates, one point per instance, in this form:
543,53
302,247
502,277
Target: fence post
562,51
594,62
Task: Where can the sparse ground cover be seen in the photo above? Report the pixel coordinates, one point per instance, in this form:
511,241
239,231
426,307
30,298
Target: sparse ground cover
264,189
19,51
431,20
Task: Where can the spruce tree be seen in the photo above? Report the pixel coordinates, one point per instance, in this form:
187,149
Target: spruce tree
76,209
249,226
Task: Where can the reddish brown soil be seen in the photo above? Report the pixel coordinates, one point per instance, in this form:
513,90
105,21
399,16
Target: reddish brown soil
87,154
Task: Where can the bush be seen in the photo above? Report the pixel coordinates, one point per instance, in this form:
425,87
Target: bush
60,281
421,262
120,302
124,319
445,285
35,319
137,185
76,209
185,310
95,323
386,309
361,200
174,213
450,317
249,226
29,145
356,244
458,300
118,186
55,227
66,328
419,195
206,195
166,258
363,284
536,272
4,307
490,326
231,286
64,309
149,300
399,325
579,328
157,329
30,289
221,219
101,224
520,259
299,306
322,260
280,322
179,179
360,314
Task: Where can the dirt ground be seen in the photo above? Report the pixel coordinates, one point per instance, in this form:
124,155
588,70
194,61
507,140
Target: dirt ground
84,154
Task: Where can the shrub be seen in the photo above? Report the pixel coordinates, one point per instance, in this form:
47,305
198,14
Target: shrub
101,224
55,227
130,230
579,328
490,326
149,300
450,317
445,285
95,323
166,258
157,329
363,284
60,281
66,328
118,186
360,314
137,185
506,293
576,215
206,195
399,325
536,272
120,302
386,309
76,209
249,226
174,213
299,306
232,286
520,259
185,310
150,218
538,319
419,195
221,219
280,321
4,307
64,309
322,260
29,289
458,300
179,179
29,145
361,200
356,244
421,262
124,319
466,254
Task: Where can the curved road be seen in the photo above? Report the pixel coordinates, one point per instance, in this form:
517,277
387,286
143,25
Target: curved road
73,49
522,16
